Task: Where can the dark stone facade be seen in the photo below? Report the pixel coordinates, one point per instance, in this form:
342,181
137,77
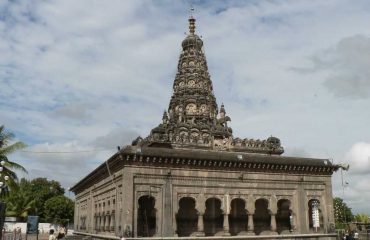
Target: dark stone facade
191,177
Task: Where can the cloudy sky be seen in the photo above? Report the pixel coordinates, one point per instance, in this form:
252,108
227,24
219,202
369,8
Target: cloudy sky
79,78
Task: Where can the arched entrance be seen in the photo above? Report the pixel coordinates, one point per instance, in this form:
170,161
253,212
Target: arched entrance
238,218
187,217
283,216
213,218
261,217
146,217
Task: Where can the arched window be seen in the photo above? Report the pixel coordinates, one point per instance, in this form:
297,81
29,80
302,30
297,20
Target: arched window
213,219
283,216
261,217
187,217
238,218
146,217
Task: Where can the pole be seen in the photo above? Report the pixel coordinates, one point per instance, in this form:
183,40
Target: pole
2,218
344,210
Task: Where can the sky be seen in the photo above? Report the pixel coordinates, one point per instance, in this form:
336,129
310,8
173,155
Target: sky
79,78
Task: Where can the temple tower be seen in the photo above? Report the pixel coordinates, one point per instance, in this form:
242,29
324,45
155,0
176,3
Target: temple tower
193,119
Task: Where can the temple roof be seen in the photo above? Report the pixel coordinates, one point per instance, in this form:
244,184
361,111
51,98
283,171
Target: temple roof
207,159
193,119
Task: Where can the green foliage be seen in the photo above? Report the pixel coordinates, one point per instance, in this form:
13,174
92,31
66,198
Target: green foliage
6,148
40,189
30,197
59,209
342,213
363,218
19,204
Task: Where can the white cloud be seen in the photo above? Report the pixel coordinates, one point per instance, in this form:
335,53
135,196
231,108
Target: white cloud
359,158
356,180
75,78
64,162
347,65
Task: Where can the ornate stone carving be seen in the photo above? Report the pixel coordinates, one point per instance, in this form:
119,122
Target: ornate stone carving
193,106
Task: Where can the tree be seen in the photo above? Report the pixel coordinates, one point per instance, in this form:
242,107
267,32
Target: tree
41,189
19,204
6,148
342,212
59,209
30,196
362,218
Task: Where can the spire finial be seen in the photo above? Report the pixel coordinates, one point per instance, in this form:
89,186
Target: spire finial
191,21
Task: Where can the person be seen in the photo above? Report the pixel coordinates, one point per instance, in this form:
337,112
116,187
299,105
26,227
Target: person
345,236
350,236
356,235
18,235
62,232
51,235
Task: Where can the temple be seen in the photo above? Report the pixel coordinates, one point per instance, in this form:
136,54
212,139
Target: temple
191,177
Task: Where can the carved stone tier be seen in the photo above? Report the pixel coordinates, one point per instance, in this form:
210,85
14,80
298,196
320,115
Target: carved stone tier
193,119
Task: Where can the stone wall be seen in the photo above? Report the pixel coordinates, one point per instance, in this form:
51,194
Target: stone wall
96,212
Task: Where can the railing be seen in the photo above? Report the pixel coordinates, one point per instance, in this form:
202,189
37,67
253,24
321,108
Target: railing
288,236
8,236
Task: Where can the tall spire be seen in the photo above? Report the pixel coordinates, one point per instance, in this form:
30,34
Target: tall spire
191,21
193,119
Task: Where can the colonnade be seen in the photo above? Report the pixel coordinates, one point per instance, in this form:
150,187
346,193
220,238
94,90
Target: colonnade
214,217
234,220
105,222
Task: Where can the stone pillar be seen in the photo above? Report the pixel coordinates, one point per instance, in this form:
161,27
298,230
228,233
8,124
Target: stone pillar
112,221
168,230
129,204
104,222
302,209
76,215
107,220
226,211
292,220
200,232
250,227
95,222
226,225
101,222
250,210
273,222
200,206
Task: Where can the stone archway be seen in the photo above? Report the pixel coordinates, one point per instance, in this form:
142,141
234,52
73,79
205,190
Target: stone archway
146,217
283,216
187,217
261,217
238,217
213,218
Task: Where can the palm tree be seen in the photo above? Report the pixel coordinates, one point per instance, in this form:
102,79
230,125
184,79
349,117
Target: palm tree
8,167
19,204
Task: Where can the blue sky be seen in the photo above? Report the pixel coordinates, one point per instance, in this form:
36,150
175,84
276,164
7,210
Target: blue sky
89,79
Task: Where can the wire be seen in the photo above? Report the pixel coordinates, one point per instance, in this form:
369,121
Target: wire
63,152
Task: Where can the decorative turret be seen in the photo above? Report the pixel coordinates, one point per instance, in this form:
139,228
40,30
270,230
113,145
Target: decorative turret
165,118
192,119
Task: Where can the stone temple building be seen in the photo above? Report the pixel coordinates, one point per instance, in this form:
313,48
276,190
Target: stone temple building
192,177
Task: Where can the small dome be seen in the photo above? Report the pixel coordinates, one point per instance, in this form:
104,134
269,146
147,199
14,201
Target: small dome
192,41
273,140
